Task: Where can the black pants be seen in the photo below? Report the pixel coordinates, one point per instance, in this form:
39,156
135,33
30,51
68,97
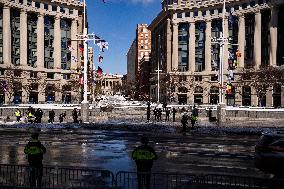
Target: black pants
148,116
18,118
51,119
35,176
144,180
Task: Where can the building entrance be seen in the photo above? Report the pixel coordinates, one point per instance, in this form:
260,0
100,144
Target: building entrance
182,99
33,98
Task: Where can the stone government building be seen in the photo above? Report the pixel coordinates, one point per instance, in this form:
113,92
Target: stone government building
34,40
182,42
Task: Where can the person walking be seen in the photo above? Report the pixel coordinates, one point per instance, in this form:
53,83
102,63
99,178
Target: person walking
148,111
38,115
51,116
61,117
184,122
75,115
144,155
155,113
18,114
159,114
174,114
167,114
194,116
35,150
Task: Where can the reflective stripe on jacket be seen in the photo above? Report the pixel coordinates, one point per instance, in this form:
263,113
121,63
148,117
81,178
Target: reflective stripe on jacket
143,154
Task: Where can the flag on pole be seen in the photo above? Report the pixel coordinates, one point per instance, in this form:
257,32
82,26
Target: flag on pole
101,58
99,71
81,47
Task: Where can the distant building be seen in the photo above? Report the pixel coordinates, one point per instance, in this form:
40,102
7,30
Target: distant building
138,54
109,84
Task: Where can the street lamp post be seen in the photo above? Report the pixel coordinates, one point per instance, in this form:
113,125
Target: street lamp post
221,108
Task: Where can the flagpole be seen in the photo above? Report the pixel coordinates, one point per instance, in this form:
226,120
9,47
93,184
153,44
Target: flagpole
85,103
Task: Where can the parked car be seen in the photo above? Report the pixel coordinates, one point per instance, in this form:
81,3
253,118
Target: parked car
269,153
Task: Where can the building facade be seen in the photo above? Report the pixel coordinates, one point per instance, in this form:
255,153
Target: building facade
131,61
37,56
183,42
140,48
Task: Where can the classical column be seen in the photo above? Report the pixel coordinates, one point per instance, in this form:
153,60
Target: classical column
241,40
169,45
7,34
74,44
226,51
257,40
273,36
23,38
40,40
192,47
208,46
175,48
57,43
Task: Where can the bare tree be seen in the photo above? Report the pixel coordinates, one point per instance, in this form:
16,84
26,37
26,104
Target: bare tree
75,86
174,82
10,83
261,80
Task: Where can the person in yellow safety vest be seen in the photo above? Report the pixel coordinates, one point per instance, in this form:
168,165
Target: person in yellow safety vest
35,150
30,114
144,156
18,114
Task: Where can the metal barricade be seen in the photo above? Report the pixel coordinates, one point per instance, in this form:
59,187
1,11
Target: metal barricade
17,176
131,180
232,182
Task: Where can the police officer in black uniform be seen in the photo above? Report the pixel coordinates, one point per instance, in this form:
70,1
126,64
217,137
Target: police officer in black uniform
144,156
35,150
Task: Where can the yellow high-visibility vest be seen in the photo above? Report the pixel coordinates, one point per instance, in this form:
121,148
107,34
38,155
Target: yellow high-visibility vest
18,113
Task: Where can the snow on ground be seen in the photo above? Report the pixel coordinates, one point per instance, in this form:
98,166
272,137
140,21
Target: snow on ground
154,127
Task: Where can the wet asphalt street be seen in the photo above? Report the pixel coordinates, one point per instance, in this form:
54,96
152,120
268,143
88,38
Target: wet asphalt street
111,150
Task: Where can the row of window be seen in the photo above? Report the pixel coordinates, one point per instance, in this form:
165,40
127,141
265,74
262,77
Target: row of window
49,75
65,26
46,6
196,12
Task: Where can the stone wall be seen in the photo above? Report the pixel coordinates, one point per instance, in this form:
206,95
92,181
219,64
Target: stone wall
139,114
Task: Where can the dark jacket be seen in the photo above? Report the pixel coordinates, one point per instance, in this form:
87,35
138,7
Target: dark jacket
144,156
74,114
35,150
51,114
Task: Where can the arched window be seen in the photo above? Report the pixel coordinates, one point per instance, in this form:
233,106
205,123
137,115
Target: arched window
246,96
182,90
214,95
276,96
198,95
